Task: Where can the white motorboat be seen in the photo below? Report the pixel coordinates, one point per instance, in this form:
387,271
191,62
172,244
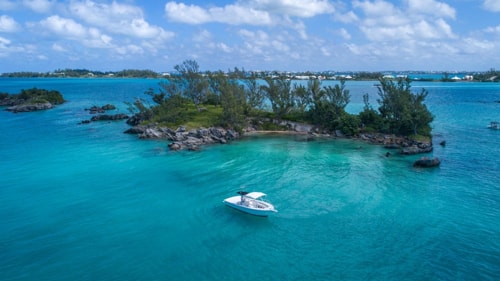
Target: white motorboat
251,202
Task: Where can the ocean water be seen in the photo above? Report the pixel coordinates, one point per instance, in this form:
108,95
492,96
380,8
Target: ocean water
87,202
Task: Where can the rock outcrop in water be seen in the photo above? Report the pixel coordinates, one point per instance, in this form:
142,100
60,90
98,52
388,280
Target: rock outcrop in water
99,110
426,162
183,139
109,117
31,100
406,146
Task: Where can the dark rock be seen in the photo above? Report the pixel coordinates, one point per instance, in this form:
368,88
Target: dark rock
95,110
193,148
152,133
137,119
175,146
106,117
182,139
85,122
443,143
108,107
426,162
416,149
136,130
231,135
30,107
98,110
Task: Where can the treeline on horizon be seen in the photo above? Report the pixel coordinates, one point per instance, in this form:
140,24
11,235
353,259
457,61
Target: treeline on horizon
217,99
487,76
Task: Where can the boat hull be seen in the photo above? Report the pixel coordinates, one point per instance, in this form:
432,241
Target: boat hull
250,206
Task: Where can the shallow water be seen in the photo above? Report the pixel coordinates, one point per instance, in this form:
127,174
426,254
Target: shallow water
86,202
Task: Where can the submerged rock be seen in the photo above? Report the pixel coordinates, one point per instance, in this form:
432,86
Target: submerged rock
107,117
416,149
426,162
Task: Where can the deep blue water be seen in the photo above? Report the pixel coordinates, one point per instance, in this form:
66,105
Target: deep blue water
87,202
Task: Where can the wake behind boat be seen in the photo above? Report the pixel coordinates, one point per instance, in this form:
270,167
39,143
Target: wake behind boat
251,202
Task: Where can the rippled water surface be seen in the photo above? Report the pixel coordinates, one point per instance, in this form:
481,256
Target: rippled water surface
86,202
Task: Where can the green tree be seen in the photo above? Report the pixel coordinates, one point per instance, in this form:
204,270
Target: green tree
194,84
316,94
280,95
404,111
254,94
338,97
302,98
215,80
370,118
328,105
233,102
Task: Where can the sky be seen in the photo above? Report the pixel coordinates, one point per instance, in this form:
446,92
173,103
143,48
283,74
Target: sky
282,35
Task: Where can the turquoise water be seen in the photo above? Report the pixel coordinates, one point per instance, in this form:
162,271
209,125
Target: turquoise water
87,202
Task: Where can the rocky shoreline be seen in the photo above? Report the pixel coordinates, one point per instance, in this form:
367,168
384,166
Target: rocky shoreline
185,139
194,138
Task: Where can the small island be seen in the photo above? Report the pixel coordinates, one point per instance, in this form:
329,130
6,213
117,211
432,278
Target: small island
214,107
31,100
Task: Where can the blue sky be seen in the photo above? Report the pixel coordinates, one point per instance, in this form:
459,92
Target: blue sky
293,35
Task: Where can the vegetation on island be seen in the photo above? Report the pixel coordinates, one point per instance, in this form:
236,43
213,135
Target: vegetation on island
196,99
31,100
32,96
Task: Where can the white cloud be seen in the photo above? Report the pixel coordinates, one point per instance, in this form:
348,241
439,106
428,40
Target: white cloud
294,8
4,41
325,52
492,5
386,22
58,48
65,27
254,12
474,46
345,34
118,18
300,27
39,6
494,29
376,9
8,24
69,29
230,14
7,48
255,42
431,7
202,36
225,48
130,49
348,17
280,46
